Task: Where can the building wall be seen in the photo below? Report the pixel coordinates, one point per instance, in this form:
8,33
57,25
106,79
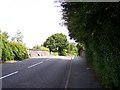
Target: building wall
37,53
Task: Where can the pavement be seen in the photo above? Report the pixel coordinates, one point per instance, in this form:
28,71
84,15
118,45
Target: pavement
82,76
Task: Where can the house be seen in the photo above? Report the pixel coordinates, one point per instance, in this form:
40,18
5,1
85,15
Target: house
37,53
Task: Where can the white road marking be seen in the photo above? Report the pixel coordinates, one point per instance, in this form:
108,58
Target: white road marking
9,75
68,77
38,63
48,59
35,64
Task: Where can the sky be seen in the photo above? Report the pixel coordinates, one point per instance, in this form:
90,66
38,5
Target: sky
36,19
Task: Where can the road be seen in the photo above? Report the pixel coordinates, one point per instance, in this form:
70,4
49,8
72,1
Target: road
36,73
49,72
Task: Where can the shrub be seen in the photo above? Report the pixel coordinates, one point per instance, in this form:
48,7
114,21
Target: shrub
7,53
20,51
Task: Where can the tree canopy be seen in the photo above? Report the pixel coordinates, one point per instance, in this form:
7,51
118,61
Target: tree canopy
72,50
57,42
37,47
18,37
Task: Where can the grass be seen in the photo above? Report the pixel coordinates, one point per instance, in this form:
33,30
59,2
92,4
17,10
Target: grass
11,61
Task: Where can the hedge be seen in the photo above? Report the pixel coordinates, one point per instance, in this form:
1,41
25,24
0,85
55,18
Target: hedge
13,51
97,27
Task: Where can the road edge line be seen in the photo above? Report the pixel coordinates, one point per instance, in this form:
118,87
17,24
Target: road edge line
69,72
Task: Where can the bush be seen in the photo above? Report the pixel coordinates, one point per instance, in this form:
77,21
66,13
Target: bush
11,50
20,51
7,53
54,54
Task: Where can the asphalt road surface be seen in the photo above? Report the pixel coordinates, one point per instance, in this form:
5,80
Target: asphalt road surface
50,72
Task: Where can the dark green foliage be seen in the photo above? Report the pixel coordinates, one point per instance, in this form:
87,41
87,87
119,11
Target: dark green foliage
57,42
97,27
80,47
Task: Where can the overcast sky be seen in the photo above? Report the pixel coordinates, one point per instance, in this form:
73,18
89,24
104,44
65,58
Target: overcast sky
36,19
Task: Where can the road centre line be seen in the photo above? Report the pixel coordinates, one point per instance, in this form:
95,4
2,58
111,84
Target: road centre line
48,59
35,64
38,63
17,71
9,75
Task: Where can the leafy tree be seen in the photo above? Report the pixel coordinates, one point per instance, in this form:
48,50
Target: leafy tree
57,42
19,36
72,50
37,47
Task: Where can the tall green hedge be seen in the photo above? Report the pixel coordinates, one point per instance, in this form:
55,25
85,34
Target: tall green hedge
97,27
